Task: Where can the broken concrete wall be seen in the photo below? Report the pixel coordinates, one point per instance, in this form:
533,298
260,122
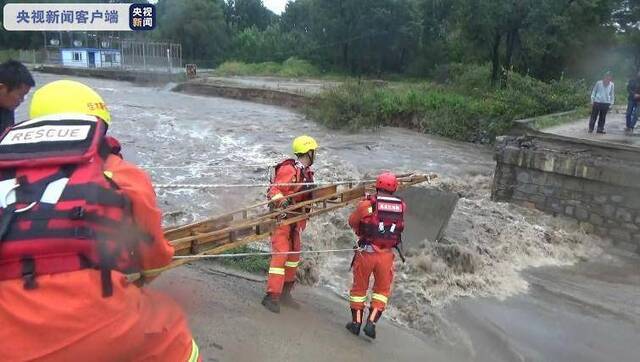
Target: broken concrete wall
265,96
596,183
137,76
428,213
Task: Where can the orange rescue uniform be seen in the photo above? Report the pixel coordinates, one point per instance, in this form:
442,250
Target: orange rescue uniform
372,260
286,238
66,318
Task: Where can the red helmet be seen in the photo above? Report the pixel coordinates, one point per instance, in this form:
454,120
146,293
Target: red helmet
387,182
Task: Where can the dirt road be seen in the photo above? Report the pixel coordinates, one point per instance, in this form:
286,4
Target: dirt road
230,324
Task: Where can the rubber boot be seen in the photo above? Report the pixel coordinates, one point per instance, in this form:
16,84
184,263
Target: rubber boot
286,299
356,322
271,303
370,327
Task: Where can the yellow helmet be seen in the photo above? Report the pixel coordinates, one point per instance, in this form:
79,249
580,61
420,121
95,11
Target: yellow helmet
303,144
67,96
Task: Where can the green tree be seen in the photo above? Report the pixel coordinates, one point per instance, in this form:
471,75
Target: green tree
198,25
437,32
255,46
243,14
627,18
360,36
534,36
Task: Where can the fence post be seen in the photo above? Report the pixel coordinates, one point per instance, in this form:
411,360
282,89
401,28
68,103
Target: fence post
121,55
144,57
169,60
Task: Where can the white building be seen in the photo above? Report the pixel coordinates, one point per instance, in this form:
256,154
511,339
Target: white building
90,57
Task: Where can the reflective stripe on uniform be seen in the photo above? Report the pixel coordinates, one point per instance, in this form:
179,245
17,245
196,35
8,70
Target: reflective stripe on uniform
195,352
386,198
380,297
277,271
370,210
291,264
357,299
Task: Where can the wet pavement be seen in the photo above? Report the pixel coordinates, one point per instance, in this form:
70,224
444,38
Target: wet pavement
590,312
615,128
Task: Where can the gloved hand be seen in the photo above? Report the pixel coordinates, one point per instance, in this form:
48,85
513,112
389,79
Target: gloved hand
279,202
286,203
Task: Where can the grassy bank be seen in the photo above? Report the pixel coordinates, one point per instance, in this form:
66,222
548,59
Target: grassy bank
463,107
251,264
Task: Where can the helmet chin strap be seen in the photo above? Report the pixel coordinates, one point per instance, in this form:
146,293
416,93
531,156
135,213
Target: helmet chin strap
312,156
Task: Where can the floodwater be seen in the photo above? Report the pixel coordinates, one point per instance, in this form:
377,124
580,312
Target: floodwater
505,283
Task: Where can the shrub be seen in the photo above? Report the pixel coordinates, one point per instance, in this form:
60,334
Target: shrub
292,67
464,108
257,264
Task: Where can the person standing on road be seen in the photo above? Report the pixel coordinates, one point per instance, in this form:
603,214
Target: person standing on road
378,221
15,83
283,267
602,98
633,88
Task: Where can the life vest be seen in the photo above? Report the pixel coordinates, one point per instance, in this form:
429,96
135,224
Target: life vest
304,175
384,226
59,210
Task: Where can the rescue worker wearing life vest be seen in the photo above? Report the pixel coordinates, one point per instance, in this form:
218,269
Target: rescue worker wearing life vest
378,221
74,219
282,269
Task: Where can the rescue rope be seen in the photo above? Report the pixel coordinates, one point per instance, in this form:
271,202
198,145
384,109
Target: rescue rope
212,186
206,166
215,256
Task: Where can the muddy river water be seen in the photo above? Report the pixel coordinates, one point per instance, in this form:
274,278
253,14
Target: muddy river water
505,283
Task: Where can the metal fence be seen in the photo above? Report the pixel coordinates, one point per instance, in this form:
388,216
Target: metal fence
151,56
109,53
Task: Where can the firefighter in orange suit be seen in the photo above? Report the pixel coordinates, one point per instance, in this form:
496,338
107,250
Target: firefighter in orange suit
378,221
282,269
74,219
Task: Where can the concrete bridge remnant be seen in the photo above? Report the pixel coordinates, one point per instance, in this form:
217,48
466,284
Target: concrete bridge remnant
596,183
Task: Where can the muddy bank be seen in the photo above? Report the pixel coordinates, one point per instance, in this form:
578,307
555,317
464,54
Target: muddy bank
259,95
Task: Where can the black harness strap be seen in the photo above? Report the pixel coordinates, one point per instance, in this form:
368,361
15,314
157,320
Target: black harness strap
107,263
81,232
29,192
399,250
93,194
6,219
77,213
29,273
65,172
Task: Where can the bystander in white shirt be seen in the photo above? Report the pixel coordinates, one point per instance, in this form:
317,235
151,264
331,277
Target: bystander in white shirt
603,93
